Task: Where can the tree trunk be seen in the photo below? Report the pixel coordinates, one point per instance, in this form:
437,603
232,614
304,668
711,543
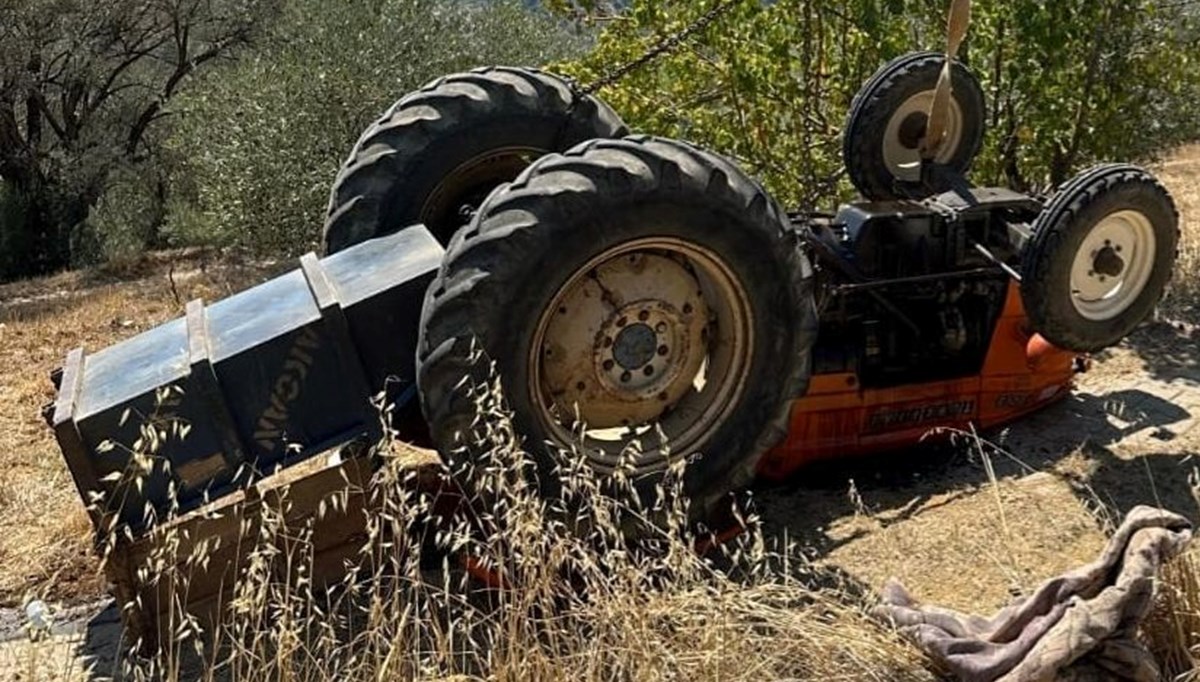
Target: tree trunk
35,229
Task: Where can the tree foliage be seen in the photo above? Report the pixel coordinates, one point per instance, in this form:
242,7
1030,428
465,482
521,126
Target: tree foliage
83,86
770,83
259,143
1074,82
107,128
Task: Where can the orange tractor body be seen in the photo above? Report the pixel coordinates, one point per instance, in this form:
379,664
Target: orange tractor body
836,418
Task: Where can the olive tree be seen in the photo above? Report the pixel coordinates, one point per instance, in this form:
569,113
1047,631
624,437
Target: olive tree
84,86
258,143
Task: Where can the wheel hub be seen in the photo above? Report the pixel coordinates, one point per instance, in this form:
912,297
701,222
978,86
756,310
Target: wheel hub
627,341
1112,265
644,348
635,346
912,130
1107,263
905,132
642,352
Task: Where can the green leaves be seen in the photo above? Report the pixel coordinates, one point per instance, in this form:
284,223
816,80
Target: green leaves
85,89
1067,82
767,84
260,141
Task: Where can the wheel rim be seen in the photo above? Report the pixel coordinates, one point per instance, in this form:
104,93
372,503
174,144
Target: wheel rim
1113,265
905,130
469,184
647,342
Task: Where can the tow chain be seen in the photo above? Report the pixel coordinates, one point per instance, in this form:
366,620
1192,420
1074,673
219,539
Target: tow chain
663,46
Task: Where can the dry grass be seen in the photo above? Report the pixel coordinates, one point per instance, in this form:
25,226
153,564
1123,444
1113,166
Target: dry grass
1180,172
973,549
45,545
565,605
572,597
1173,629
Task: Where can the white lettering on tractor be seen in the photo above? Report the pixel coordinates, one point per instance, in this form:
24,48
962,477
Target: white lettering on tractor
287,388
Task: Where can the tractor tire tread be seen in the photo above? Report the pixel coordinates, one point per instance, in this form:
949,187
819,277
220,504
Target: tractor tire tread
1038,264
475,276
394,146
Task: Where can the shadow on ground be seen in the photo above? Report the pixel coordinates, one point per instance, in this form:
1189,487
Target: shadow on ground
1169,351
1122,439
101,644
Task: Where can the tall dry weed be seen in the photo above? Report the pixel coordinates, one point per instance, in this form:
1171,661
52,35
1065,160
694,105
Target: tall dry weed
556,590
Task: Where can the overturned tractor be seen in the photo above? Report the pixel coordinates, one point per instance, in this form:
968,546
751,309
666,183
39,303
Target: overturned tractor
642,302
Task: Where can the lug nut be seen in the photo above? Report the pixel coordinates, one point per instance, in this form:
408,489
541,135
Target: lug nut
663,350
608,342
608,365
626,377
649,370
623,321
661,327
644,315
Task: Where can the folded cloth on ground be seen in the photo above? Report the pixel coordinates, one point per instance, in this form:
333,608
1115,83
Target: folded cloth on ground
1078,626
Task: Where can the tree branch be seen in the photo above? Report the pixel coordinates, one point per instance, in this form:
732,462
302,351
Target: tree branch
59,130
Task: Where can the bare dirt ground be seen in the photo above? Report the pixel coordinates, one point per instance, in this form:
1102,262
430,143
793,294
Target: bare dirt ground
960,526
957,535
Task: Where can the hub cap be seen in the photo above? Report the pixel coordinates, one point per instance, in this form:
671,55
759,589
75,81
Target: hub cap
906,130
648,341
1113,265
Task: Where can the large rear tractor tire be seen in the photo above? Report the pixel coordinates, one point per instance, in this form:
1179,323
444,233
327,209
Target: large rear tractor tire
629,290
1100,258
438,151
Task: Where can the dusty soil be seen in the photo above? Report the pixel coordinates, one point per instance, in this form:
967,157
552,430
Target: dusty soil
965,526
964,537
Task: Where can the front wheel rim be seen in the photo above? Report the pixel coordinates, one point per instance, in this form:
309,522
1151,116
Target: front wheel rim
1113,265
642,353
905,131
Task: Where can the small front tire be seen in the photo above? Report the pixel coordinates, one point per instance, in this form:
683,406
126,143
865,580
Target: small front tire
1100,258
887,121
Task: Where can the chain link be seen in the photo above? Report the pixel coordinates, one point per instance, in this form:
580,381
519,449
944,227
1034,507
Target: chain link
663,46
